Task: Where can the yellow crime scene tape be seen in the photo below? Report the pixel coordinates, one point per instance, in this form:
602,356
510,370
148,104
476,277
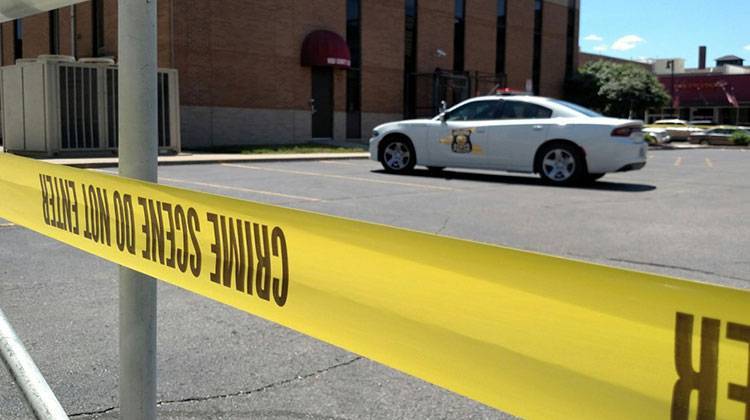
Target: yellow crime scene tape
534,335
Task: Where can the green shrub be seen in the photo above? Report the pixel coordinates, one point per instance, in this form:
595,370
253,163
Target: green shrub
650,138
740,138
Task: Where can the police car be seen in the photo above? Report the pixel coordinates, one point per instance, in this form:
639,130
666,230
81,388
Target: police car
564,143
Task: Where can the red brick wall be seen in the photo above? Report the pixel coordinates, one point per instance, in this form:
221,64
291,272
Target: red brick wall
251,59
36,35
383,56
519,42
7,29
481,32
554,47
434,31
83,30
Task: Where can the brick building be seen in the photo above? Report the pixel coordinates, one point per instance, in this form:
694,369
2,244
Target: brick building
251,71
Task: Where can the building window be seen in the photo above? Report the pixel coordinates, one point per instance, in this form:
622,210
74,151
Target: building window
354,74
537,66
459,34
502,11
54,32
570,47
17,39
410,59
97,28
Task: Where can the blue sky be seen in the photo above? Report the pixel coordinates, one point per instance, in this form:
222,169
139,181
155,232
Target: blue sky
637,29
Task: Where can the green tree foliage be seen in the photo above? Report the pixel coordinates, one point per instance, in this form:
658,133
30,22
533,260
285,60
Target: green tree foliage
614,89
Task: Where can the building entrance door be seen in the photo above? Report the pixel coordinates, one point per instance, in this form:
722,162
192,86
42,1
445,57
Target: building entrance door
322,102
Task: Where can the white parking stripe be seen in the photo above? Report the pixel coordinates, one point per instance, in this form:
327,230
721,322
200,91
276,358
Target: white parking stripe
709,163
344,177
678,162
226,187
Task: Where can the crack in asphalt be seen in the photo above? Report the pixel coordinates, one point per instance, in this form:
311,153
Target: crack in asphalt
234,394
677,267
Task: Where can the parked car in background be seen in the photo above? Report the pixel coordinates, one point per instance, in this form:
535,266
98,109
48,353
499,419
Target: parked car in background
656,135
677,129
564,143
717,136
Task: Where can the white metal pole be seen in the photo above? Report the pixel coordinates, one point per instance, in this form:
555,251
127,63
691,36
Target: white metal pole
138,152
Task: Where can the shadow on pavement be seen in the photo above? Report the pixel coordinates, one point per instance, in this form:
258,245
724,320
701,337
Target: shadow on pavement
602,185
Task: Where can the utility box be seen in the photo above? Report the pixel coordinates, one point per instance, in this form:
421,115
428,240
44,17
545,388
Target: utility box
53,105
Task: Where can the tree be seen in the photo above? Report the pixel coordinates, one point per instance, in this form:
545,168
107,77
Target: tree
614,89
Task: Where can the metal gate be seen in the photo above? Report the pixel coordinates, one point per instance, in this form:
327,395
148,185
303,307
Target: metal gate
452,87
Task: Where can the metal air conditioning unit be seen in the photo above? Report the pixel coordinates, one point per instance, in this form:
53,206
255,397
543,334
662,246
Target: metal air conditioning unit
53,105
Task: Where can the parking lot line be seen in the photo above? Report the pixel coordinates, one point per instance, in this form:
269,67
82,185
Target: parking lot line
344,177
226,187
678,162
338,162
6,225
709,163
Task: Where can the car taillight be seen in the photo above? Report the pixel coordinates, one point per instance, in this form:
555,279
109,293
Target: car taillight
625,131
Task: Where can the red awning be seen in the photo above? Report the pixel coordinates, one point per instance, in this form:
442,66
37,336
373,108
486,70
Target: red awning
325,48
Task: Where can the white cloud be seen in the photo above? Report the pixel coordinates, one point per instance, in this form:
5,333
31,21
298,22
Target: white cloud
601,48
628,42
747,47
593,38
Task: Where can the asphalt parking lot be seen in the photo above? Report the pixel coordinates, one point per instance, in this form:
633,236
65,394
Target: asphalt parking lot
683,215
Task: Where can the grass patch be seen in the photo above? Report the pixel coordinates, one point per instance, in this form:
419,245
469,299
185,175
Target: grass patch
282,149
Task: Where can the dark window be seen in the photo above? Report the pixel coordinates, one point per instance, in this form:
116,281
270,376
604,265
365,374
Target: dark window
475,111
97,27
17,39
513,110
354,74
570,47
537,67
410,59
54,32
459,32
502,11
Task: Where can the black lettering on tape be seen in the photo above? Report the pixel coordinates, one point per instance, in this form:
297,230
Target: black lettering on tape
193,227
740,393
235,255
263,269
215,275
51,201
74,206
157,230
169,233
280,286
248,227
66,222
145,228
704,380
181,225
120,223
45,200
103,210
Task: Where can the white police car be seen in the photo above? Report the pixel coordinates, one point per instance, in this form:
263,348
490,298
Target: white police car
563,142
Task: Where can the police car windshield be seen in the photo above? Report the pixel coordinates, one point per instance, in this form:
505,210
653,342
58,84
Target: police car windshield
582,110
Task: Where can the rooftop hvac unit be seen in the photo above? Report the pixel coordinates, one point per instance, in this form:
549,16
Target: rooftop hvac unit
53,105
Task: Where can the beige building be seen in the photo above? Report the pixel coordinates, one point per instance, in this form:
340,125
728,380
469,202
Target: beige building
287,71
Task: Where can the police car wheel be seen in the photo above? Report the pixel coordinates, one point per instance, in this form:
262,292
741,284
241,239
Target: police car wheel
397,155
561,164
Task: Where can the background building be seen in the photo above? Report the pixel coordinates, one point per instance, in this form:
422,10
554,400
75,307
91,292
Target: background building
287,71
719,94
